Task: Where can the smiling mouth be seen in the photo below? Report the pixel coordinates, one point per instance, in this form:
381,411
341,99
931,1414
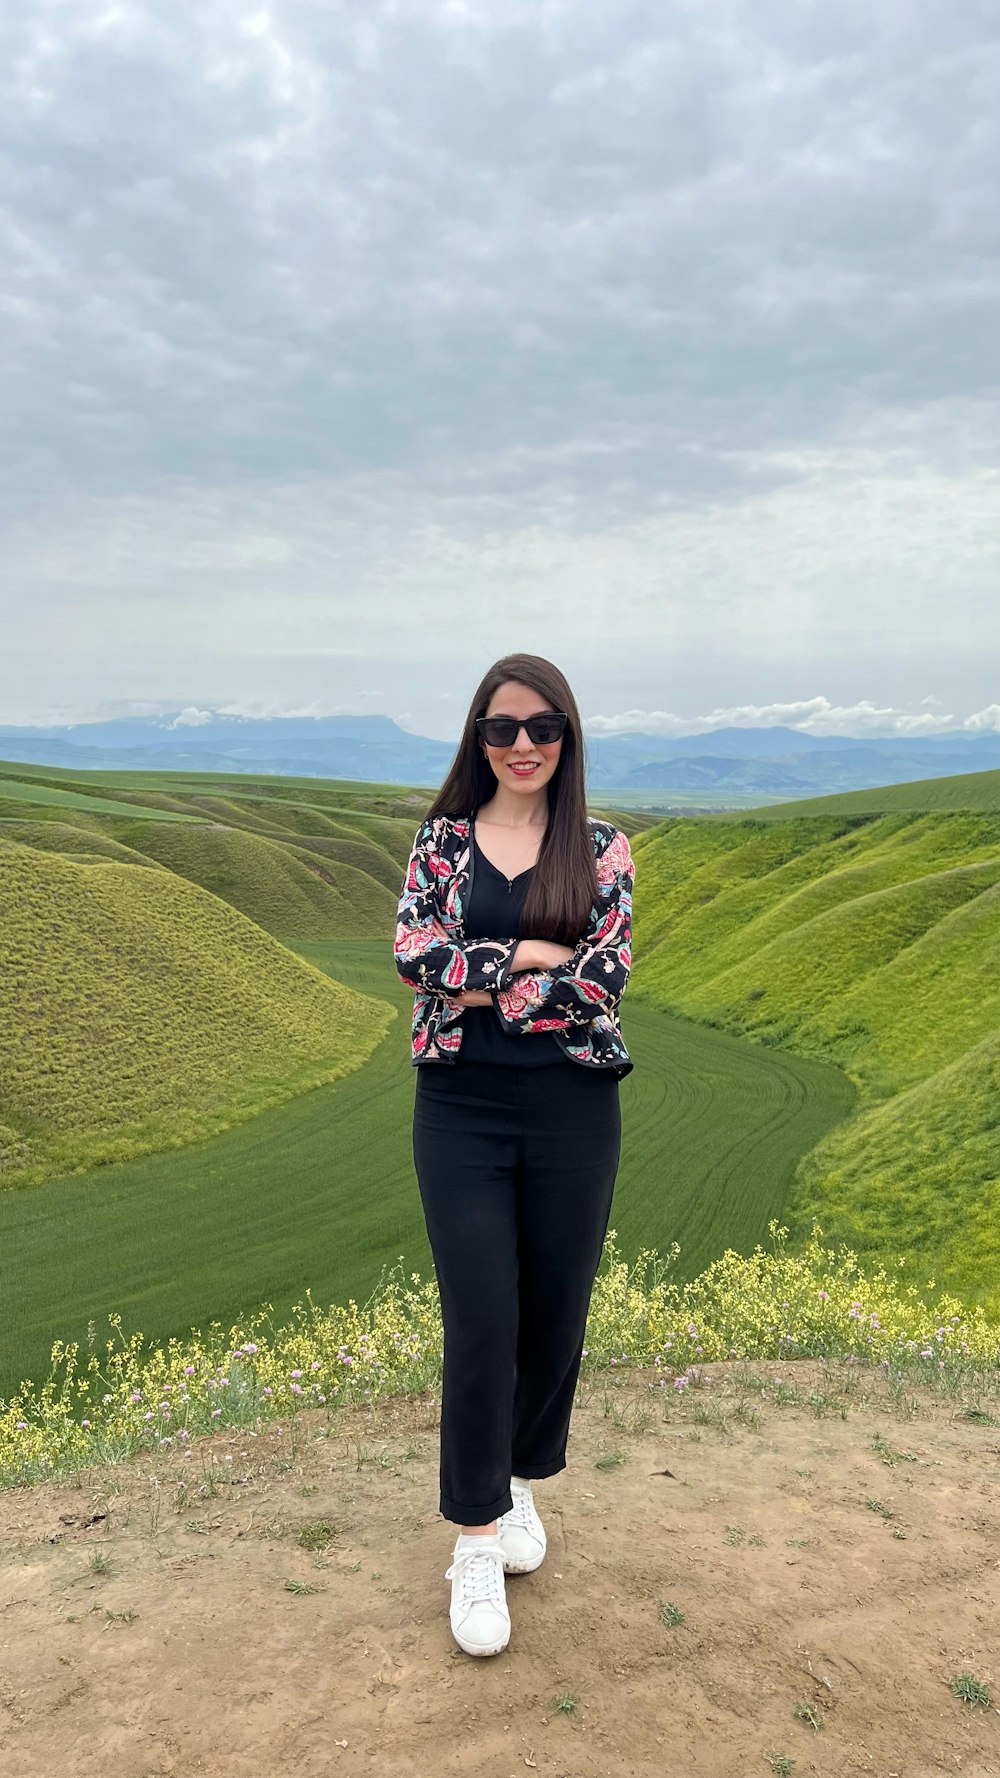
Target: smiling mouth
523,771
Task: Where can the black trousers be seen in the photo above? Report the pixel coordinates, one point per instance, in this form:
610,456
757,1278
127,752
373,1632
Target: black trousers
516,1168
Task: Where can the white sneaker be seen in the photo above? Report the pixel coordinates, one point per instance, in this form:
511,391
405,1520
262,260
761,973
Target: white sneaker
521,1532
480,1621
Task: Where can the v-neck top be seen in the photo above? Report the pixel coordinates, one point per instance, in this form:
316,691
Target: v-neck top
494,911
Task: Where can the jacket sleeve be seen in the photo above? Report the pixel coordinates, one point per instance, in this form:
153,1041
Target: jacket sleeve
591,984
426,954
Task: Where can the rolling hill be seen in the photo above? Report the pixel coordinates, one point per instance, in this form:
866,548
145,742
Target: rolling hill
191,1017
306,859
873,943
861,929
298,869
141,1013
967,790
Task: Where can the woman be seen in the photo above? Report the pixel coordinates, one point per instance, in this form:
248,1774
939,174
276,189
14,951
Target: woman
514,930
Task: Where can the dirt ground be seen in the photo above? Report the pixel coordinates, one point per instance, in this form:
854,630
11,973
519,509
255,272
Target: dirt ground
163,1620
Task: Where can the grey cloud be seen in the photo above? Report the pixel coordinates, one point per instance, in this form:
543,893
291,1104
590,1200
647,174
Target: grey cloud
353,346
811,716
376,236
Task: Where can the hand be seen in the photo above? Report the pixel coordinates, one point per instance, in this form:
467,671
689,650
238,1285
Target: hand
472,997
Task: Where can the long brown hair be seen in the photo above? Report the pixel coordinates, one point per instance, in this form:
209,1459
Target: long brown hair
564,885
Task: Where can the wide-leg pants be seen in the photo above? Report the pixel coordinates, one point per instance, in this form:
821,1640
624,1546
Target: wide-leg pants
516,1168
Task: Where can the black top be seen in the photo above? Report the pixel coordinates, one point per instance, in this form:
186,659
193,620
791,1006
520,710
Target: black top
494,911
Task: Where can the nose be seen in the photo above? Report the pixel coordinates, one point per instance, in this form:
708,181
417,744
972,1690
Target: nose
516,743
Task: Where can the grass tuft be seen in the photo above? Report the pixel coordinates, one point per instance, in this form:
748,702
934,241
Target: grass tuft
972,1691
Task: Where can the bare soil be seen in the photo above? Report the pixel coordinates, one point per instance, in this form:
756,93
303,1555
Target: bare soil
192,1654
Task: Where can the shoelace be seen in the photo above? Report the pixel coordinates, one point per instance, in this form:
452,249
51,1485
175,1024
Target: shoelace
520,1512
479,1574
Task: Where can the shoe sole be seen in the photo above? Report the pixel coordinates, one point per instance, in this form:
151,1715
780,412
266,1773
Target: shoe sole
475,1649
511,1567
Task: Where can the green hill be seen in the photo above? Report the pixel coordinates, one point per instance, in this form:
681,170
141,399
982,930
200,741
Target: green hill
874,944
921,1170
967,790
322,1191
862,929
86,844
285,888
306,859
141,1013
296,870
15,794
315,891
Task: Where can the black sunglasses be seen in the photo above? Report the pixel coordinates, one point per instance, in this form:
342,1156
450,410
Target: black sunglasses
502,731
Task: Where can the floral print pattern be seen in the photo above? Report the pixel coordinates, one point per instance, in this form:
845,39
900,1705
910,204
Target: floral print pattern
578,1002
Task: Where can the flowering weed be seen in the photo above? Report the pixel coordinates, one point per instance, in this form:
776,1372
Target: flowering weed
101,1407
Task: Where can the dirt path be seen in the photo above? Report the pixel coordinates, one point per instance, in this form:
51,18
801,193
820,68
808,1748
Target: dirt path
192,1654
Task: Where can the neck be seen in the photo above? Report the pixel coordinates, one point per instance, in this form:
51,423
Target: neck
510,808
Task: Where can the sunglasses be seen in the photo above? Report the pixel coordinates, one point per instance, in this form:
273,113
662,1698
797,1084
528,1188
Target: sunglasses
502,731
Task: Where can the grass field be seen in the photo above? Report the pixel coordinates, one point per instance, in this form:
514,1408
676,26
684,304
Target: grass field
307,858
321,1190
141,1016
387,813
140,1013
659,803
875,945
14,794
966,790
859,953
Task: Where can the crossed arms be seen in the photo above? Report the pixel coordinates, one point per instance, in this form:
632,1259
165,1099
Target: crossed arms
559,987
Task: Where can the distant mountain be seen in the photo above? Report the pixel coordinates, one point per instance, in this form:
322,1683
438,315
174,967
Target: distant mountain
780,742
371,748
765,762
762,742
780,762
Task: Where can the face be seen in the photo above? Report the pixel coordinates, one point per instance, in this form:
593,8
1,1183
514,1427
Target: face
526,766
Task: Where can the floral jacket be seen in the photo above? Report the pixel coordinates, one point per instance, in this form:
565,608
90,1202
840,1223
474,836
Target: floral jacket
578,1002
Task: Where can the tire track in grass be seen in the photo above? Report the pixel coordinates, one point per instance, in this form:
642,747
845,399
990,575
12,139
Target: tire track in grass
709,1158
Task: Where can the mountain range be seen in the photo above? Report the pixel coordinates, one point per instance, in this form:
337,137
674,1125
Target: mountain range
767,763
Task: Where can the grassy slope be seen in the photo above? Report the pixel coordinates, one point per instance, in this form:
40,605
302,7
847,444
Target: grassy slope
299,870
867,942
84,843
14,795
386,814
304,860
284,888
876,946
145,1082
966,790
320,1191
142,1013
925,1163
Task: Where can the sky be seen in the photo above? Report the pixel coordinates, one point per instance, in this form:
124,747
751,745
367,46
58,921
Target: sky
347,347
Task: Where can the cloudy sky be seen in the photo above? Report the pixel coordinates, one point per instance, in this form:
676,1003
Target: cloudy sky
349,346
